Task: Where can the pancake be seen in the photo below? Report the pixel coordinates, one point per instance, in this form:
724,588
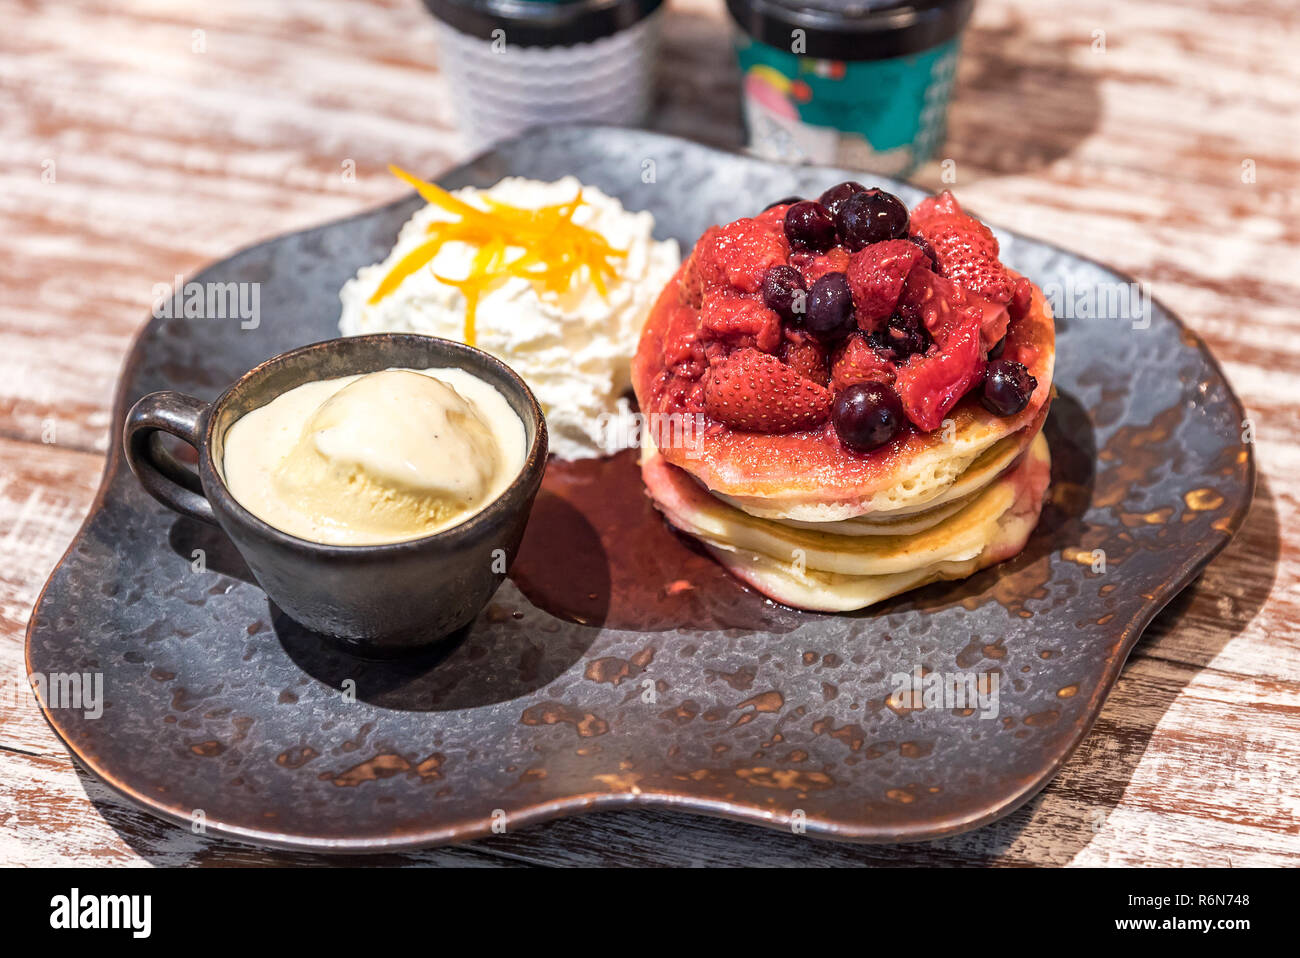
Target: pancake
960,535
992,528
984,469
802,477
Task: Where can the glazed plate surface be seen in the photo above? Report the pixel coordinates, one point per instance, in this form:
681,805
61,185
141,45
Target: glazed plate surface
619,665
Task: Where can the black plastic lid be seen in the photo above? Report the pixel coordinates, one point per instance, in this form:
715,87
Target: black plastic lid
854,29
542,23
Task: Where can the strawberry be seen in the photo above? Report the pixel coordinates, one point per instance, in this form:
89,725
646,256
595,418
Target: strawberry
757,392
966,251
945,204
994,319
740,321
940,304
857,362
960,322
805,355
715,352
737,255
929,385
690,292
876,274
773,217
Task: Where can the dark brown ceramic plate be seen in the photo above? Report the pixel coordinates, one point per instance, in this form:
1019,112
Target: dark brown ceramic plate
620,666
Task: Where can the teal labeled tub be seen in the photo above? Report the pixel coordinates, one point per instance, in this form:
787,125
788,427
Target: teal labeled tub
857,83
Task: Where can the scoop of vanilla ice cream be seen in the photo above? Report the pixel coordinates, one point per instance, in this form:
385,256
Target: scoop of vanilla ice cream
573,349
394,453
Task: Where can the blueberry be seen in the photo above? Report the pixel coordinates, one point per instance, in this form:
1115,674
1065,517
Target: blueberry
1007,387
830,308
996,351
833,198
902,337
867,415
784,293
788,201
871,217
808,225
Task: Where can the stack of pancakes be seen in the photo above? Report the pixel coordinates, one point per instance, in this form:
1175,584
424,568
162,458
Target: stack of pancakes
815,526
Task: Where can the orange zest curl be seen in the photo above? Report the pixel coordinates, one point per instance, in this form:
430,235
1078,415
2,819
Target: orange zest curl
552,249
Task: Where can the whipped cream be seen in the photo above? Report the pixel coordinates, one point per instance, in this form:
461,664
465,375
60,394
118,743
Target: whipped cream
573,349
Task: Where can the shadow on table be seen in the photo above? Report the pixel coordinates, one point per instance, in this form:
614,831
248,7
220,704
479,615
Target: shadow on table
1020,102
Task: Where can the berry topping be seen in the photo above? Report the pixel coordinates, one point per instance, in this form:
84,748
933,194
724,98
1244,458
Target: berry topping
857,362
830,308
756,392
740,322
681,339
923,244
788,201
1007,387
876,275
940,305
816,265
809,225
785,293
966,251
943,204
805,355
867,415
736,255
1022,297
930,384
833,198
994,320
871,217
903,336
671,393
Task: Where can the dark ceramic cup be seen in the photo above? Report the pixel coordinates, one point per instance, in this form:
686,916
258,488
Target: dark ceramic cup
381,600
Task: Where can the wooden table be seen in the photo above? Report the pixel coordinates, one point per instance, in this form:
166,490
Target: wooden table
137,148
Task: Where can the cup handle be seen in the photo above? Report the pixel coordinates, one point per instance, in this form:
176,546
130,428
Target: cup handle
163,476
